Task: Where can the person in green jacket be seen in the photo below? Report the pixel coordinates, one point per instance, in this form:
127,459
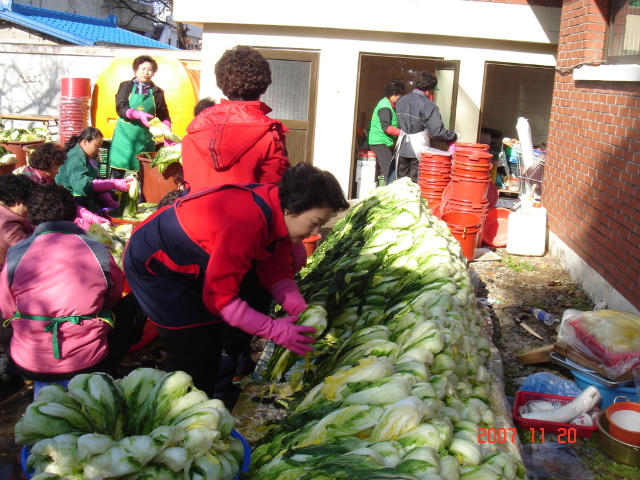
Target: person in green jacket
384,130
79,174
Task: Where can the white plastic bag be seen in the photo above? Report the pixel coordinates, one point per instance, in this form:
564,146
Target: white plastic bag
610,336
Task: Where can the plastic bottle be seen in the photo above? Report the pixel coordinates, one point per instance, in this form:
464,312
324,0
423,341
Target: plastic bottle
547,318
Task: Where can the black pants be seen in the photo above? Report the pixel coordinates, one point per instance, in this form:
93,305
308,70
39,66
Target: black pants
408,167
129,324
384,155
236,357
197,351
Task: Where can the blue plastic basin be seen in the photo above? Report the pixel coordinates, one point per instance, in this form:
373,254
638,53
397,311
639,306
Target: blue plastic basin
608,394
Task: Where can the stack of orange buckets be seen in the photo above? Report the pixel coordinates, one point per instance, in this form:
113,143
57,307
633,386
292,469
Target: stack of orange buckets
75,96
465,201
434,176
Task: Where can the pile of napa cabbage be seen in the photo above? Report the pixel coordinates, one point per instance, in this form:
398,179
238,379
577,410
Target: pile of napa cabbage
147,425
399,385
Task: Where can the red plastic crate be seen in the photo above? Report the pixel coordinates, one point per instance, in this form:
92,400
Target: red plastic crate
549,427
606,356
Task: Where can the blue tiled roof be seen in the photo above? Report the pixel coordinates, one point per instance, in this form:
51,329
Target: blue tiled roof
75,29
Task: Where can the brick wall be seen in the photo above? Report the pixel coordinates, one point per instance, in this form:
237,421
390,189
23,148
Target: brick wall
592,177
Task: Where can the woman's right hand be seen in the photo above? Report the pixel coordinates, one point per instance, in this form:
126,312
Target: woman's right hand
100,185
122,184
144,117
284,332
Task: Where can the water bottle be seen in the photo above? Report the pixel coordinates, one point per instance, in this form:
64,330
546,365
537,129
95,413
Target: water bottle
542,315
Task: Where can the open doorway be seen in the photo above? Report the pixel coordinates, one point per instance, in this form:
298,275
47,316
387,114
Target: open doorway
512,91
376,70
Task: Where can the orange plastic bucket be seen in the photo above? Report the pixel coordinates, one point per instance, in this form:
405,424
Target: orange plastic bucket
155,185
311,243
464,227
470,188
474,146
624,421
469,155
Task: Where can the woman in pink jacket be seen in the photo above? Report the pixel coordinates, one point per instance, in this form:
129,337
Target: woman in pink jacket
60,296
14,226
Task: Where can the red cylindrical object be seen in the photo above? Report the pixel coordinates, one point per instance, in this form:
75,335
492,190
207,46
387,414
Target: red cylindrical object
464,227
75,87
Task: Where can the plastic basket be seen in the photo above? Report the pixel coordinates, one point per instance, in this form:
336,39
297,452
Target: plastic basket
600,351
244,467
103,163
549,427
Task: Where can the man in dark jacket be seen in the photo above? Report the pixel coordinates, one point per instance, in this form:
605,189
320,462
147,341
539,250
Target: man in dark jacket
418,118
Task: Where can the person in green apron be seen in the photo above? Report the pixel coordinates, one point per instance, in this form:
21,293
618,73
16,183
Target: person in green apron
138,100
383,130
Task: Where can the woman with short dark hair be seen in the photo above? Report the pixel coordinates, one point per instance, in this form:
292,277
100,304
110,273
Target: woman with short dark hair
186,263
15,191
44,163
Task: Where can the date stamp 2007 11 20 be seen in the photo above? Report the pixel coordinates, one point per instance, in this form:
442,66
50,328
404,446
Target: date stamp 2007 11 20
504,435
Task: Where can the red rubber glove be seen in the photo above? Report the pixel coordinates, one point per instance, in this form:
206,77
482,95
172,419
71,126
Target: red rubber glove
282,331
299,256
111,184
287,294
391,130
139,115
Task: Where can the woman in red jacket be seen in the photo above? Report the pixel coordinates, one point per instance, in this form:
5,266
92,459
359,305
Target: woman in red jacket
235,141
186,262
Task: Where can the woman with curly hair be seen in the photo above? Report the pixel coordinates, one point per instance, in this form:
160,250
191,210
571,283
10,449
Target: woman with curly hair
15,191
44,163
61,296
234,141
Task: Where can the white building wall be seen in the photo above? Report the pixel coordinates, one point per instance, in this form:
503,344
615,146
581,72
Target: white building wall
337,82
31,75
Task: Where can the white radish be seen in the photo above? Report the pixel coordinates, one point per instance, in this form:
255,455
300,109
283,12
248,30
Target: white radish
564,414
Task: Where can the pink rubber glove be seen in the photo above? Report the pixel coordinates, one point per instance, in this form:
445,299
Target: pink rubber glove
282,331
111,184
287,294
106,200
139,115
85,218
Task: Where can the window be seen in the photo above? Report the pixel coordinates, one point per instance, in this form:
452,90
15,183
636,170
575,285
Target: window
623,43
